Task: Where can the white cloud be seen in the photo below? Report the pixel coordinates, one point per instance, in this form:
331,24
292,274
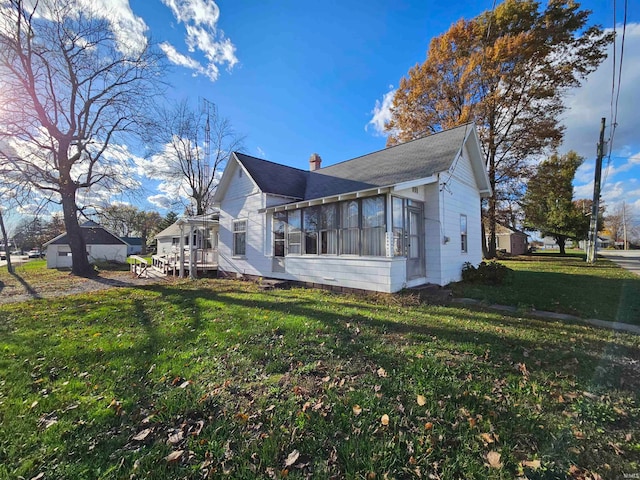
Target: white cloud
161,201
178,58
200,18
381,113
592,101
129,29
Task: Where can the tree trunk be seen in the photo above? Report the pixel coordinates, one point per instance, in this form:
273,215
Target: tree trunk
143,238
491,251
5,239
561,243
79,260
491,211
483,235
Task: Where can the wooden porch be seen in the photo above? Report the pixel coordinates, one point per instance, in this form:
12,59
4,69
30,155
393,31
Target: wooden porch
204,260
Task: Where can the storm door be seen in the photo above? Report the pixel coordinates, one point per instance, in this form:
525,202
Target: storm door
415,242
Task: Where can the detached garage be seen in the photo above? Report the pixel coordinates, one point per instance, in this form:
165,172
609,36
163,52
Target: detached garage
102,245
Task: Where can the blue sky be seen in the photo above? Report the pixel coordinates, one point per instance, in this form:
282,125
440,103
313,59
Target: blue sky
299,77
310,77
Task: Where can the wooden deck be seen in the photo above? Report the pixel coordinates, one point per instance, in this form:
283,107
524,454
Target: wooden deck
205,261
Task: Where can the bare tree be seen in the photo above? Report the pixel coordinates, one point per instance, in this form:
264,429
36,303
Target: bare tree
71,91
620,224
196,143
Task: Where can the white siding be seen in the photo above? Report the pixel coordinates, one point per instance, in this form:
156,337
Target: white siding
380,274
97,253
107,253
243,201
164,245
443,256
54,260
460,197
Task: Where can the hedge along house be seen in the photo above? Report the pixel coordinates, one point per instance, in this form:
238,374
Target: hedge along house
401,217
102,245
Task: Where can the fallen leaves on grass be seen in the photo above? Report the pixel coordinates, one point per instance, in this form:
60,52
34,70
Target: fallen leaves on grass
421,400
384,419
493,458
487,437
292,458
139,437
533,464
357,410
381,372
174,456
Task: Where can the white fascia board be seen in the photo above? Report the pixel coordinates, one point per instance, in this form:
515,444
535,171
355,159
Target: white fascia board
322,200
415,183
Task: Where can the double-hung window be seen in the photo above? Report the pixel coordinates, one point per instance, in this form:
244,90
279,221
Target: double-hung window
463,233
239,237
294,233
279,226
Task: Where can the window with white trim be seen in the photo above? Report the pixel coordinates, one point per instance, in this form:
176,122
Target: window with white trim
294,232
279,228
239,237
463,234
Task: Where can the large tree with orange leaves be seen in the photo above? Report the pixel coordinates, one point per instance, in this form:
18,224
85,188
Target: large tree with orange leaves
507,71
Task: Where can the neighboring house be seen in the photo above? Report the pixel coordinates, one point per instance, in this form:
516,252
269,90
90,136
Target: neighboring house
134,245
510,240
549,243
400,217
102,245
204,234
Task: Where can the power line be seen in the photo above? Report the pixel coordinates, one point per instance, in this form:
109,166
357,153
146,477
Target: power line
616,80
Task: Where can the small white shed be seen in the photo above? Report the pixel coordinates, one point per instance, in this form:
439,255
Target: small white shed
102,245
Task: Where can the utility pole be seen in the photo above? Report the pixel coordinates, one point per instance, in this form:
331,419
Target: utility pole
592,247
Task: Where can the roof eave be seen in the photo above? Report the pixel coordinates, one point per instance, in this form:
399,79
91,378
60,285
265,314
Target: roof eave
328,199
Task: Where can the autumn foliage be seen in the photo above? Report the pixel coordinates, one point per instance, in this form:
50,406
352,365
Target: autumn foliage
507,71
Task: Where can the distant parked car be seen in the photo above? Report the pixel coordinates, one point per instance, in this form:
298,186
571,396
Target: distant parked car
3,255
35,253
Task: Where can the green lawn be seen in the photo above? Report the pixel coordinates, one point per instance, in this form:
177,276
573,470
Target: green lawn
565,284
217,379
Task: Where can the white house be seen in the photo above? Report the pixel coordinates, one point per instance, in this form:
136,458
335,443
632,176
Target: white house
400,217
134,245
203,234
102,245
191,242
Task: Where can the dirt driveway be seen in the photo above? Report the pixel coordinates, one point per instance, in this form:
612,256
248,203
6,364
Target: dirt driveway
27,285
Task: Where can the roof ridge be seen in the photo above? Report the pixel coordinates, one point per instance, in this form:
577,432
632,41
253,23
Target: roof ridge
271,161
466,125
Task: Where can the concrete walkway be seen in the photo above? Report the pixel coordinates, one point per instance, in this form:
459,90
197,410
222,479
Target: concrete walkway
617,326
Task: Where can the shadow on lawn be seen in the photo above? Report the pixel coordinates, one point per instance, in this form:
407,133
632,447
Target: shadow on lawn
586,296
377,345
26,285
500,334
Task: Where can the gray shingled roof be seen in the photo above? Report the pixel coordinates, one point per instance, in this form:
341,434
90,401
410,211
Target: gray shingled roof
413,160
275,178
92,236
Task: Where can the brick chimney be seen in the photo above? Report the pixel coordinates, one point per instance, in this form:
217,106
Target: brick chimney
314,162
